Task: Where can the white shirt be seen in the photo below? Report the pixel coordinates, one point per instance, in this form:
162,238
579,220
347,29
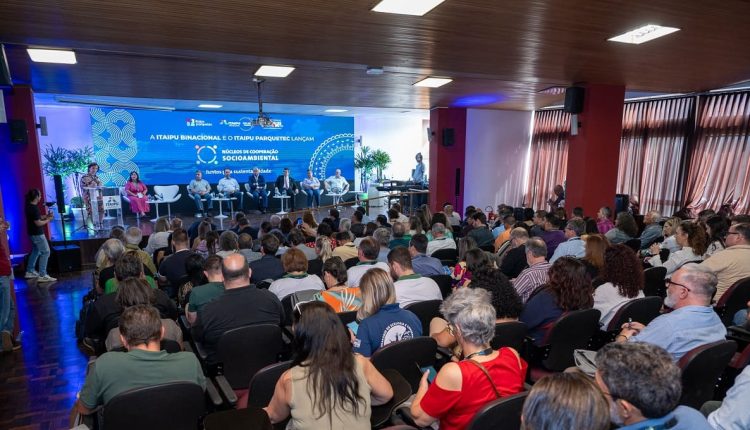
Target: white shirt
415,288
285,286
228,185
337,185
440,243
355,273
608,301
676,259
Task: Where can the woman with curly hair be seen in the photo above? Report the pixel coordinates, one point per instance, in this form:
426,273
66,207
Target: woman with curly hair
596,244
694,242
716,229
622,277
568,289
625,229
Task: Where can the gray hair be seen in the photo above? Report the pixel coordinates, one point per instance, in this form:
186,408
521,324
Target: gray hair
471,311
382,235
537,247
577,226
229,241
519,233
345,224
275,220
655,215
112,249
133,236
702,280
438,229
626,368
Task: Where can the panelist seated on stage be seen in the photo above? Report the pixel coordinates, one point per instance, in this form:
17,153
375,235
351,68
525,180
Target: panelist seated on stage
199,189
229,186
286,185
337,184
257,184
311,187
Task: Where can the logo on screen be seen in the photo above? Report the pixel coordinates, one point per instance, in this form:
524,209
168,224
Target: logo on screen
192,122
206,154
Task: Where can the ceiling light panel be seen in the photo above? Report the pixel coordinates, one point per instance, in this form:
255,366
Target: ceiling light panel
56,56
643,34
433,82
406,7
274,71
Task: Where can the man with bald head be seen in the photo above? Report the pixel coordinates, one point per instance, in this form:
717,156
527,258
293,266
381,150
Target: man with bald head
241,304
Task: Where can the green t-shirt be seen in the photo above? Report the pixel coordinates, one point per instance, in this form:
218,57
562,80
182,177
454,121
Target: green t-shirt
203,294
116,372
111,285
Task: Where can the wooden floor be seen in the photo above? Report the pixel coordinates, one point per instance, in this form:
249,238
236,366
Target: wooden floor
38,383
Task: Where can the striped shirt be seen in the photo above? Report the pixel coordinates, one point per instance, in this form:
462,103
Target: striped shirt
530,279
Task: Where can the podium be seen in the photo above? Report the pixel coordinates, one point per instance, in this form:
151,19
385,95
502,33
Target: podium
100,200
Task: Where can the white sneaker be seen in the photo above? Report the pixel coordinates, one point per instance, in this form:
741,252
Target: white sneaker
31,275
46,278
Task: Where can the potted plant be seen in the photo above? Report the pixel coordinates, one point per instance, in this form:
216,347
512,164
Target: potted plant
381,160
66,162
364,162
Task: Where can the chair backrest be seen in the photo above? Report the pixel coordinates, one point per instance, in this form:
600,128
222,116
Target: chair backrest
634,244
572,331
124,194
447,256
289,301
178,405
347,317
653,282
511,333
488,248
249,418
506,410
264,284
642,310
733,299
445,283
701,369
263,383
406,357
425,311
245,350
351,262
168,192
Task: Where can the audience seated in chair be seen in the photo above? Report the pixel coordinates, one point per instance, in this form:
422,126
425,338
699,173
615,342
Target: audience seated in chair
692,238
643,387
241,304
338,295
344,246
553,235
693,321
206,293
565,401
480,232
732,412
133,237
652,230
160,236
398,235
533,277
327,386
573,246
410,287
622,281
514,259
625,229
143,365
367,254
172,268
296,277
731,264
382,321
268,266
439,239
422,263
461,388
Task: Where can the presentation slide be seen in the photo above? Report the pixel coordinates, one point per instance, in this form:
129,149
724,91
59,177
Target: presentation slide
168,147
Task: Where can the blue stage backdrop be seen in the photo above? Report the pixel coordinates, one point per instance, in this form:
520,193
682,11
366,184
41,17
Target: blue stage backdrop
167,147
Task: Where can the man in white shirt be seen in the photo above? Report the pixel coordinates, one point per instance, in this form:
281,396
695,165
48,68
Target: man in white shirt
337,184
439,241
368,255
229,186
410,287
453,217
198,189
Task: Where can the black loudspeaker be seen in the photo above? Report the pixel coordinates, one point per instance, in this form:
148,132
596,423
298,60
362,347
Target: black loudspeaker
59,194
449,137
18,133
621,203
574,100
65,258
458,182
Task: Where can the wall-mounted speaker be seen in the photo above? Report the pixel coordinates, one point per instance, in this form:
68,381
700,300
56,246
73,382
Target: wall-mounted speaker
18,132
458,182
449,136
574,100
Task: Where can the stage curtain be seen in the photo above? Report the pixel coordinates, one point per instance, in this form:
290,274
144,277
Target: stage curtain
719,169
654,137
548,161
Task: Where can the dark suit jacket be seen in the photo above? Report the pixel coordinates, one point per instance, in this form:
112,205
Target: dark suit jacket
292,183
254,185
268,267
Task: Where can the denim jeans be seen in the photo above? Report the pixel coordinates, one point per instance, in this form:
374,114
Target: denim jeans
312,195
199,204
7,308
261,198
40,251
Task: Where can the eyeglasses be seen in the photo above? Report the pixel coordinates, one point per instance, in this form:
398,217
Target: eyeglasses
732,232
669,282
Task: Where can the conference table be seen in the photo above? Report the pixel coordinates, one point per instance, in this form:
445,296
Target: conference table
221,207
282,198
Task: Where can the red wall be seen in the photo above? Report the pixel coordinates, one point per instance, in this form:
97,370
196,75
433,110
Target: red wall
593,154
444,160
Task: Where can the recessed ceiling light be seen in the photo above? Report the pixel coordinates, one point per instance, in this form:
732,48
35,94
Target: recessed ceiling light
407,7
209,106
58,56
433,82
274,71
643,34
336,110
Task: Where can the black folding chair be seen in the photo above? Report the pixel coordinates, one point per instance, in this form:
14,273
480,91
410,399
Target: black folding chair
406,357
511,333
448,256
445,283
701,369
177,405
653,282
502,413
425,311
733,300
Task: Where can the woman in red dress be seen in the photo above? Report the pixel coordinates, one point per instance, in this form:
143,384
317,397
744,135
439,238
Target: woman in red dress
136,191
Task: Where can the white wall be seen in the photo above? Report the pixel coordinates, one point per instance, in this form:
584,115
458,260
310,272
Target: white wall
400,136
496,147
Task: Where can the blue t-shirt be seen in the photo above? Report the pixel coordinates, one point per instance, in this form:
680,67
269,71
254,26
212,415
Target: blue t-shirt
687,419
389,324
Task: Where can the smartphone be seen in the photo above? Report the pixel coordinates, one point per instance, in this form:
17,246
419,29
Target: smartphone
353,326
432,372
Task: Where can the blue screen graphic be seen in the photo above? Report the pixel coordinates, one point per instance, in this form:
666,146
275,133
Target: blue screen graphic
167,147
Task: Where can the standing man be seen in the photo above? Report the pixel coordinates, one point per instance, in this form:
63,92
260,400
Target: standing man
337,184
229,186
7,307
285,184
198,189
258,189
418,177
311,187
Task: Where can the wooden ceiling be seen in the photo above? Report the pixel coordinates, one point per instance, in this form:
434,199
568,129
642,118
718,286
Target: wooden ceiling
499,52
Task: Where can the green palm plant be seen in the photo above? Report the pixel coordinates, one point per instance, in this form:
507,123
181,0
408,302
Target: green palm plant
381,160
364,162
